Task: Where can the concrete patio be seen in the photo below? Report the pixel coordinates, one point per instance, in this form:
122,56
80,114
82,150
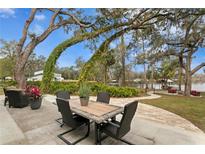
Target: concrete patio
150,125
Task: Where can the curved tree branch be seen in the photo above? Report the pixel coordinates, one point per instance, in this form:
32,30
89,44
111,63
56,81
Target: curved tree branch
77,21
97,55
25,31
197,68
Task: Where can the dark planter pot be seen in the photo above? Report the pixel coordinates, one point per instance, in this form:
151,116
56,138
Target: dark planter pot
36,103
84,101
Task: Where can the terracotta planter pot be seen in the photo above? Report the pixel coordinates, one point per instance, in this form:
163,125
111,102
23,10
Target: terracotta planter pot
84,101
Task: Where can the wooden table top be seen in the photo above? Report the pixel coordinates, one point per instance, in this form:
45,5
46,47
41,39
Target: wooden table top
96,111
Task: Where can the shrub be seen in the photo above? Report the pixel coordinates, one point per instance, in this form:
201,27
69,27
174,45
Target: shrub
7,83
73,88
116,91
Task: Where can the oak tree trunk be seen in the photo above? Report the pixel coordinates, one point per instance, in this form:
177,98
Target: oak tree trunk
122,52
123,71
188,76
152,77
180,72
19,73
145,78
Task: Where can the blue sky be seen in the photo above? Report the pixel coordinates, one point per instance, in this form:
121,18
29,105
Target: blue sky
11,25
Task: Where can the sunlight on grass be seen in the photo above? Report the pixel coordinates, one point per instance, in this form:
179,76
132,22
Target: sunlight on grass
190,108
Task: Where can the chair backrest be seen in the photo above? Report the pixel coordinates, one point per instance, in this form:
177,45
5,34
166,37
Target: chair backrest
125,123
103,97
65,111
15,98
63,94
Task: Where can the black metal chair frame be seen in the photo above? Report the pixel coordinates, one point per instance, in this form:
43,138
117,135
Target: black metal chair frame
68,142
64,95
123,126
104,137
74,127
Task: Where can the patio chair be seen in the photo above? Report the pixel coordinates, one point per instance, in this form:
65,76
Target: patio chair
73,121
64,95
103,97
6,97
17,98
118,129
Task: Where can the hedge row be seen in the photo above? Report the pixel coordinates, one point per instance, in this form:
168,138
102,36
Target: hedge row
73,88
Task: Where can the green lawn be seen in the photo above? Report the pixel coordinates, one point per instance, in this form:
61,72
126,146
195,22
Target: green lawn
190,108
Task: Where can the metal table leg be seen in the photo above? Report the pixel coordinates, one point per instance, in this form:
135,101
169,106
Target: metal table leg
96,133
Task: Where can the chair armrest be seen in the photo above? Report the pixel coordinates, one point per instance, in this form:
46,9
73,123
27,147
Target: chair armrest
116,125
75,115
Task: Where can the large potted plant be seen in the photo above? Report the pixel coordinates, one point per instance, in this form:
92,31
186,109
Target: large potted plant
35,97
84,92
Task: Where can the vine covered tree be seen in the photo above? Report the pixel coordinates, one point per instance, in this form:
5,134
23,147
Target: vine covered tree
65,18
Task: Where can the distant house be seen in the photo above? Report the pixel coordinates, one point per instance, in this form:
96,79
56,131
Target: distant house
137,80
38,76
8,78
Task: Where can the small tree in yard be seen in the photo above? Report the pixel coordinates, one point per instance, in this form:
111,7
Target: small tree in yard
167,71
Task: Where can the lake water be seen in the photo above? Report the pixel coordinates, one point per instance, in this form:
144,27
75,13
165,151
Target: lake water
195,86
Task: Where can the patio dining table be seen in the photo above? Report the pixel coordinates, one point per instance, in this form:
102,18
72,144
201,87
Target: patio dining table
96,112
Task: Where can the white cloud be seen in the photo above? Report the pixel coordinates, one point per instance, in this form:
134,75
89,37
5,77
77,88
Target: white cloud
40,17
6,13
37,29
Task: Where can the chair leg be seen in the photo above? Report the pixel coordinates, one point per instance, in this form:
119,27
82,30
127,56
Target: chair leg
54,103
62,138
127,142
5,101
59,120
68,142
61,125
104,137
99,137
86,135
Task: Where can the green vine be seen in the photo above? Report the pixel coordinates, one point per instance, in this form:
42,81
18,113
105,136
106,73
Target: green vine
55,54
99,53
